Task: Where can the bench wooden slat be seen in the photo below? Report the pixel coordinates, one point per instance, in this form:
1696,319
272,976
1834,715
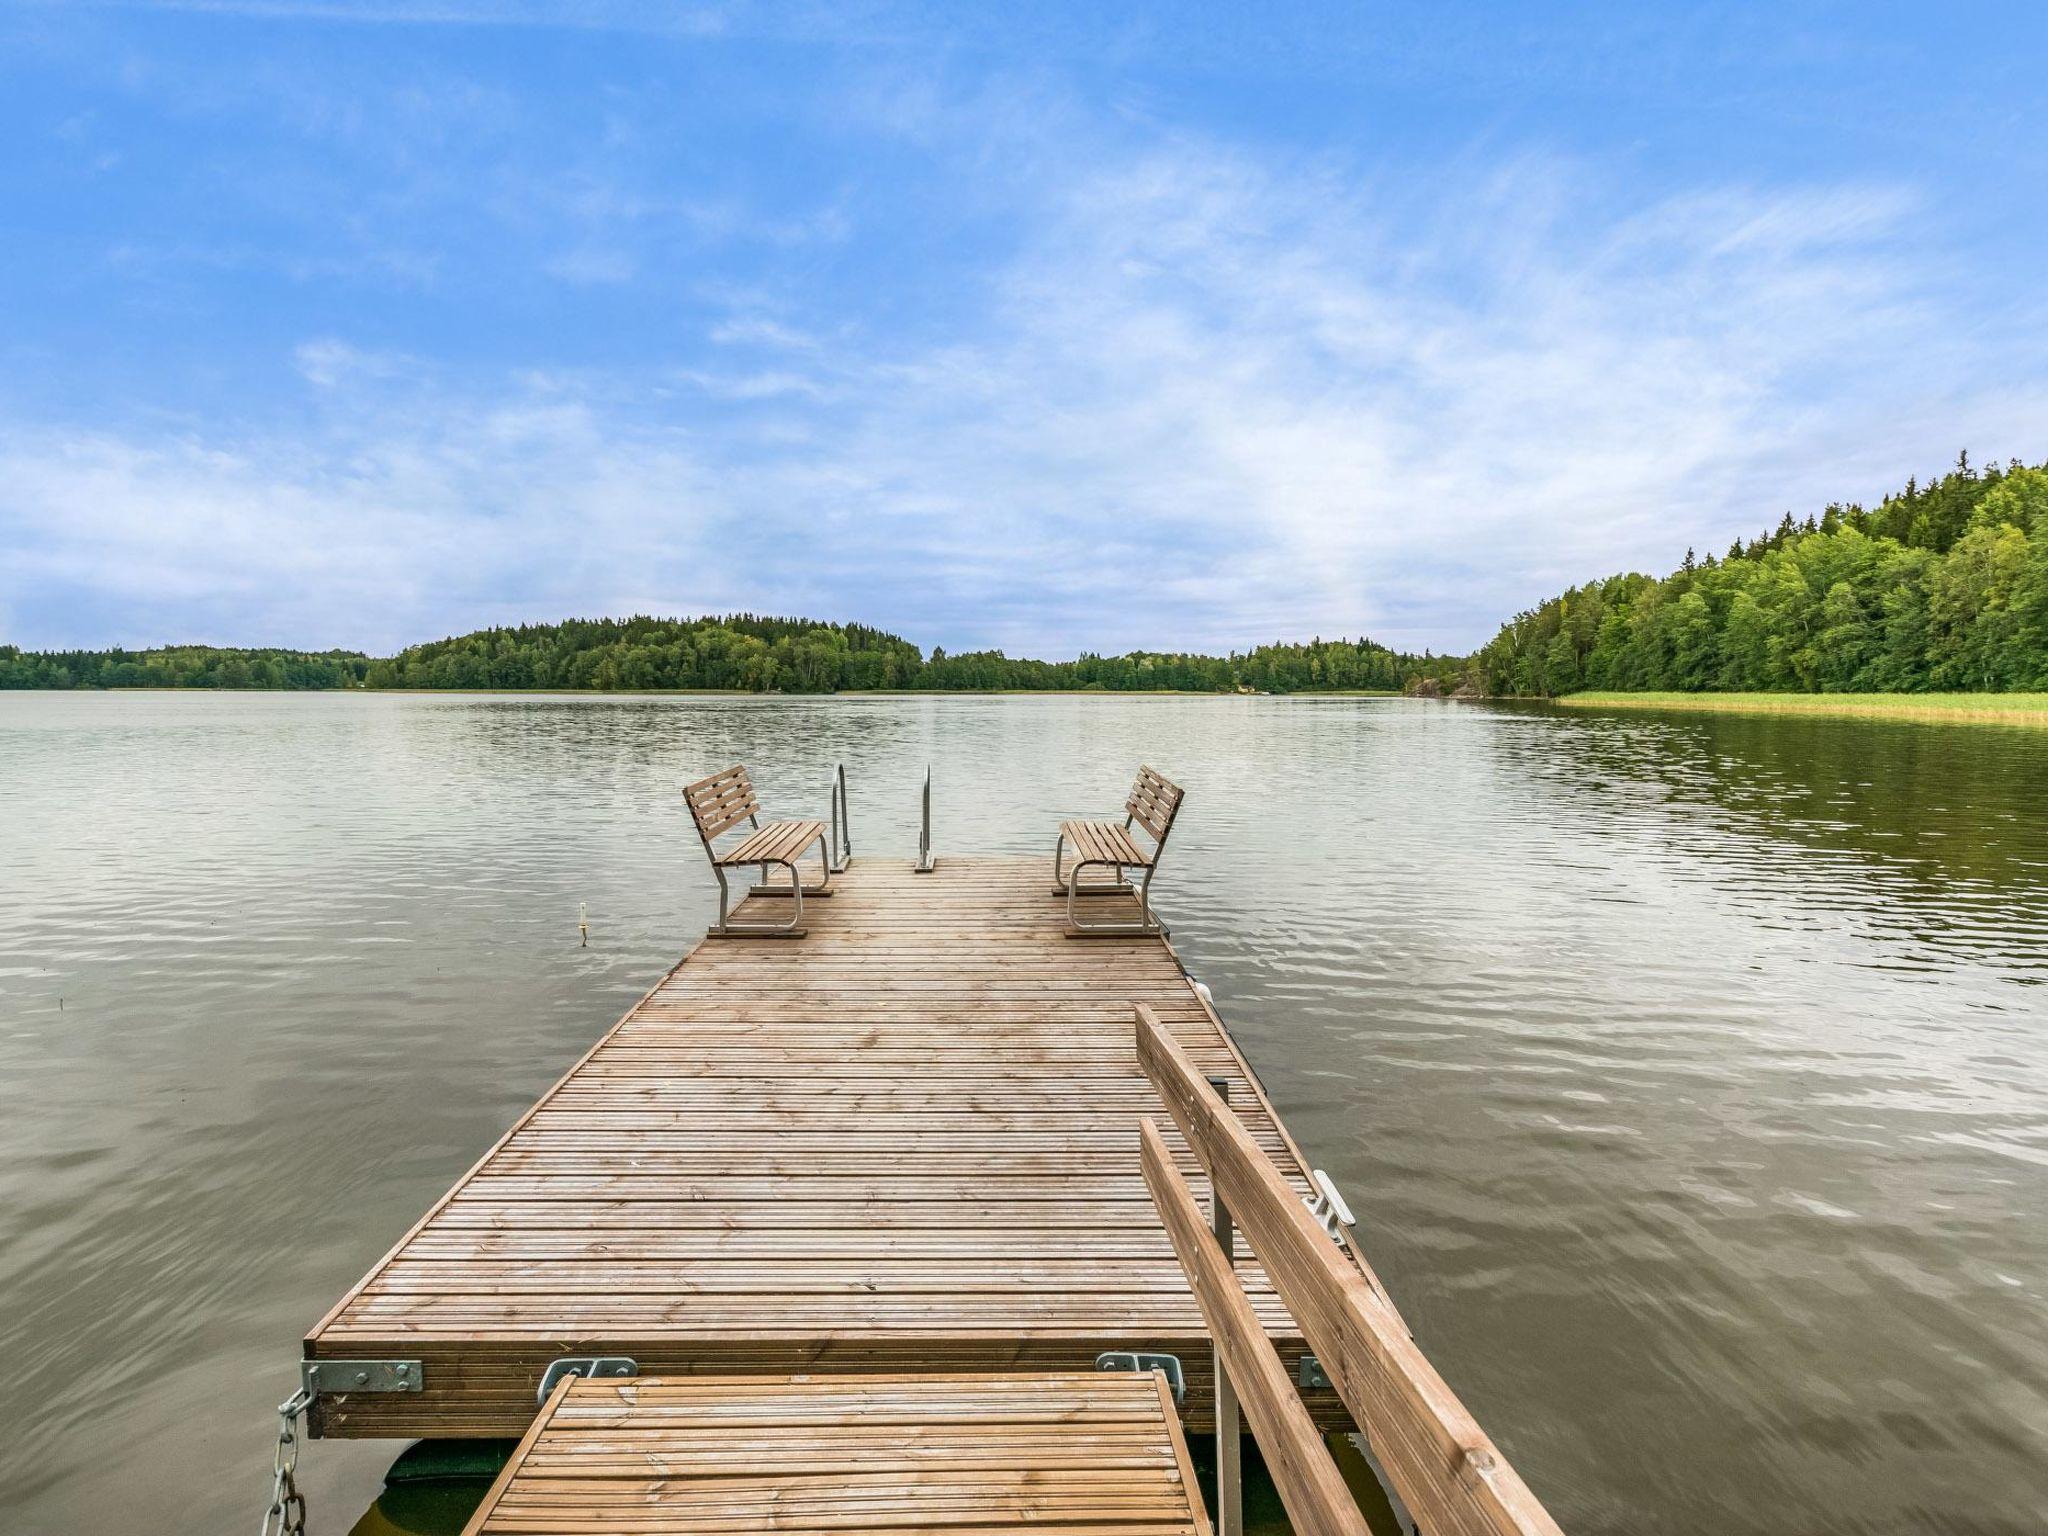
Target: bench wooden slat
721,802
776,841
1105,840
1154,802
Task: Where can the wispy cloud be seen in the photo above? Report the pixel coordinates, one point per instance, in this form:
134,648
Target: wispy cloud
1211,399
372,531
668,18
328,362
588,266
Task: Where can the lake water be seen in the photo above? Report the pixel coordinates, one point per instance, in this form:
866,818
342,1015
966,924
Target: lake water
1687,1073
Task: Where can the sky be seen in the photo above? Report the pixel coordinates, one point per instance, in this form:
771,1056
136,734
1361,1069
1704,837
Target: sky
1038,326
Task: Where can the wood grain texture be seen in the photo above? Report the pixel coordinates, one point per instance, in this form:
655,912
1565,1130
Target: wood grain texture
1449,1474
991,1453
903,1142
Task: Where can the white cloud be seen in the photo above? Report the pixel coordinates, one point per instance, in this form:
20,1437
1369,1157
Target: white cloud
329,361
760,331
374,533
659,17
1211,400
584,267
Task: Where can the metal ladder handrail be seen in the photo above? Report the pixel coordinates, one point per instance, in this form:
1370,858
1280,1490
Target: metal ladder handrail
925,862
839,850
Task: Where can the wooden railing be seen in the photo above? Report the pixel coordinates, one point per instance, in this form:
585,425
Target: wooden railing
1441,1463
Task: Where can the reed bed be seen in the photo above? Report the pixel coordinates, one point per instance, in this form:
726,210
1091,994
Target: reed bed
2022,709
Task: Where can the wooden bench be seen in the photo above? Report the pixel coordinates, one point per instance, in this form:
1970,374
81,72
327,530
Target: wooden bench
719,804
1153,803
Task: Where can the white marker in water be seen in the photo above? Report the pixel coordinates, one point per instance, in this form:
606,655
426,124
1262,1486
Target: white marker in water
583,923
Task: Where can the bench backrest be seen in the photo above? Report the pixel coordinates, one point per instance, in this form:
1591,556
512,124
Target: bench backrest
1155,801
721,802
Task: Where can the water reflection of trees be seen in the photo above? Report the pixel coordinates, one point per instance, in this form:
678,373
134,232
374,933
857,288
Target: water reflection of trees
1946,827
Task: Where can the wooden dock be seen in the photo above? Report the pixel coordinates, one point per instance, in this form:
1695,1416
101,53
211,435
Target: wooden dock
1084,1452
903,1144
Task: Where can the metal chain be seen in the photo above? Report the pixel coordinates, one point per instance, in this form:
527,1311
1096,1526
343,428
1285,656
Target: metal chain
287,1513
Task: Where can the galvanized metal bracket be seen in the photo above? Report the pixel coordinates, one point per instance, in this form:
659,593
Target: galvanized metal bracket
1313,1377
321,1376
1131,1360
1328,1208
585,1365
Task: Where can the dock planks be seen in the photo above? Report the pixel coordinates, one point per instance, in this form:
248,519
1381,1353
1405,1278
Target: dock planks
904,1143
1089,1453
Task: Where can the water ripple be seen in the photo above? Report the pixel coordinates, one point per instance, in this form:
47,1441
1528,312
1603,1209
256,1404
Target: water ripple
1686,1072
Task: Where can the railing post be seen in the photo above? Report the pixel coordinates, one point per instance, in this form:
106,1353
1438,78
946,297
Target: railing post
1229,1444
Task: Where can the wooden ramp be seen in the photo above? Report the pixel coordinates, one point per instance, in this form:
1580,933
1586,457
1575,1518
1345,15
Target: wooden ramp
1088,1453
904,1143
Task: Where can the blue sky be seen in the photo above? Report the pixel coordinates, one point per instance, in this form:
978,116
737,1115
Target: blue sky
1040,326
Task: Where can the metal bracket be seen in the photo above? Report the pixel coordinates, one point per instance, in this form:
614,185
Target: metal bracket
1328,1208
585,1365
318,1376
1313,1377
1131,1360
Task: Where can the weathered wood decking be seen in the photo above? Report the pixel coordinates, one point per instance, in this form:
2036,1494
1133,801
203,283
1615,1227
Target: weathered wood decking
1088,1453
904,1143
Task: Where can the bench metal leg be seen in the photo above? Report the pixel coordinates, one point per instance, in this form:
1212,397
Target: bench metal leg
1060,883
1147,923
822,888
728,929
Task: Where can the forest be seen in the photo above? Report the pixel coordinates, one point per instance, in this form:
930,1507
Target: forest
1939,587
181,666
739,651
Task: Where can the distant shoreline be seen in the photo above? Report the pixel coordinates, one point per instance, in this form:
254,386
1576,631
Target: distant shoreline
2020,709
750,693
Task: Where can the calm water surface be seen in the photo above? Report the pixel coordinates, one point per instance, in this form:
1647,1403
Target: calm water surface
1687,1073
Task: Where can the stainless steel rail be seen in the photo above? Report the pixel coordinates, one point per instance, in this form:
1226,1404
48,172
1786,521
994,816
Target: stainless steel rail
925,862
839,850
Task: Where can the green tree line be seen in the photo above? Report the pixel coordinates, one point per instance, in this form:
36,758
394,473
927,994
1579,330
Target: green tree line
740,651
181,666
1940,587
